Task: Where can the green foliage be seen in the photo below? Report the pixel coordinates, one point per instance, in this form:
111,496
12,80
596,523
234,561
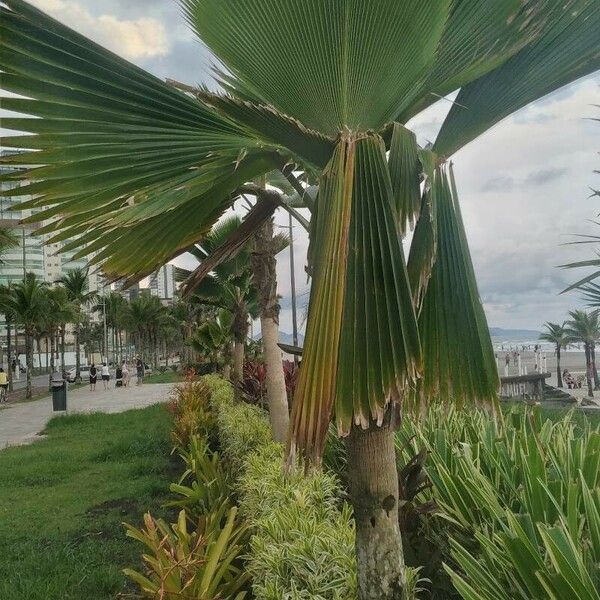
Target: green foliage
205,481
199,556
517,499
302,545
192,564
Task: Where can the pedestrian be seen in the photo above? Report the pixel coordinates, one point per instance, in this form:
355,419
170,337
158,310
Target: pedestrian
3,385
93,377
125,372
507,359
139,368
105,375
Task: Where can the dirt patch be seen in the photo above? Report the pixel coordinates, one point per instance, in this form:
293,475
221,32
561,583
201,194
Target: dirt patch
122,506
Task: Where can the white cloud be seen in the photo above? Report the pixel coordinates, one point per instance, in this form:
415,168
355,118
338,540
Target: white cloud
140,38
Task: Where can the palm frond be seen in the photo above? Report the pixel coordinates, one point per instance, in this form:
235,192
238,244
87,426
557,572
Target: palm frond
336,52
360,292
565,50
458,357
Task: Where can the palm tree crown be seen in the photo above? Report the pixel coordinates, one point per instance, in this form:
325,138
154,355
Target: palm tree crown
556,334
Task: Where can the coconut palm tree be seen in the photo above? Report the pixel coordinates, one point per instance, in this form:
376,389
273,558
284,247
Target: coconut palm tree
146,315
584,327
29,305
321,89
60,312
75,283
556,334
6,291
213,338
229,286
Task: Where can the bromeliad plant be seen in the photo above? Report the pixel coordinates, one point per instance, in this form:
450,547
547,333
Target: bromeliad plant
139,171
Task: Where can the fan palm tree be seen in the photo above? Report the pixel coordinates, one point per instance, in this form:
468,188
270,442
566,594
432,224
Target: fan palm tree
29,305
558,335
321,89
584,327
75,283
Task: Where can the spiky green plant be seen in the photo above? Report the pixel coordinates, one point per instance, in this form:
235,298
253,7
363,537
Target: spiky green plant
140,170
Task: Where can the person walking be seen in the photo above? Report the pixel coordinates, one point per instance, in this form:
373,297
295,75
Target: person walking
139,368
105,375
93,377
125,372
3,385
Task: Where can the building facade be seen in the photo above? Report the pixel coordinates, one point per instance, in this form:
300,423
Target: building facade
162,283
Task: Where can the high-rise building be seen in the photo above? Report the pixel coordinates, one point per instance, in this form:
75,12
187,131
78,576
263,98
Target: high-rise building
30,254
162,283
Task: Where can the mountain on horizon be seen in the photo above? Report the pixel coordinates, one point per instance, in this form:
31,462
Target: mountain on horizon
288,338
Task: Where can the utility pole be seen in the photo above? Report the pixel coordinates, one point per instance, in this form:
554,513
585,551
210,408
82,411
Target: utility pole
104,322
293,288
290,228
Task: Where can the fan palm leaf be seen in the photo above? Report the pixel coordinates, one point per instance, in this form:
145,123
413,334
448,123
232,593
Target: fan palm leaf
137,171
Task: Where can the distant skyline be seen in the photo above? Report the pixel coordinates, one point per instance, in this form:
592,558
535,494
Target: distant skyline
523,186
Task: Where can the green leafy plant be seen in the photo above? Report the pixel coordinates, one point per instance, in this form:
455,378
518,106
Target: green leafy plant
205,481
198,564
517,499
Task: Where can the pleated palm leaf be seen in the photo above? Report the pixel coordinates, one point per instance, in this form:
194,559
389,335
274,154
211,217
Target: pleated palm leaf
139,171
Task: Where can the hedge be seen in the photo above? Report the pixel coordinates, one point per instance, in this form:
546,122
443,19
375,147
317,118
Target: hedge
302,544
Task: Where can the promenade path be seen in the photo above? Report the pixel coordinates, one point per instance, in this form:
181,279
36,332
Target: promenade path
21,422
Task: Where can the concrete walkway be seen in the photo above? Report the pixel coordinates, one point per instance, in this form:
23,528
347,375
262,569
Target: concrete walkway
21,422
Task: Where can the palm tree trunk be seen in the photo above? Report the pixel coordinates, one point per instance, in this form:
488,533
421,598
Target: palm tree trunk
238,361
594,369
39,353
77,358
29,362
62,346
588,369
373,482
279,415
52,352
559,380
9,352
264,267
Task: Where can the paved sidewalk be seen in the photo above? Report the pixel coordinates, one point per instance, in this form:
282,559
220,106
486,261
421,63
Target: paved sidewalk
21,422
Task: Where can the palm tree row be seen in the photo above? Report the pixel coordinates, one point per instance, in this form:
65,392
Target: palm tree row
583,327
43,311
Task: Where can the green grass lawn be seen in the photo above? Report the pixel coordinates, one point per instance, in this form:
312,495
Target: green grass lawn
166,377
63,501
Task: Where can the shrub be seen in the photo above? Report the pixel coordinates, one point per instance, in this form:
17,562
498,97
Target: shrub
254,382
191,412
202,563
518,503
302,543
206,482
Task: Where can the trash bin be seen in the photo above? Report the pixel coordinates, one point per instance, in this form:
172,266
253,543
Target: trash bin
59,392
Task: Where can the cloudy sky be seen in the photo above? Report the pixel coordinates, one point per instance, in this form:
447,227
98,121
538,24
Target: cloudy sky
524,186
